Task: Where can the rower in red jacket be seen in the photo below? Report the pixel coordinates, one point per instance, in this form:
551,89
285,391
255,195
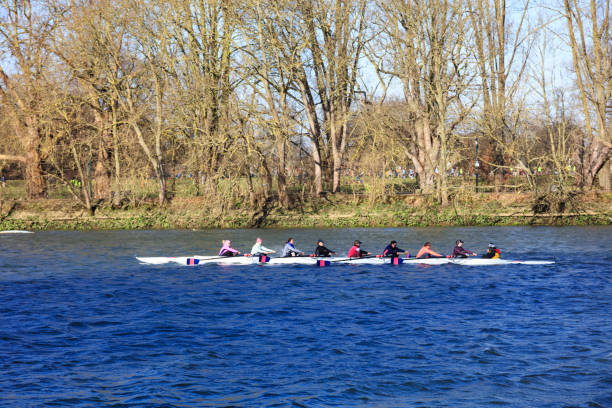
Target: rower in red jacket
356,251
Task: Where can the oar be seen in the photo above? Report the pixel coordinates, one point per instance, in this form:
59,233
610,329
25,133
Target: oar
354,258
397,260
321,256
195,260
321,261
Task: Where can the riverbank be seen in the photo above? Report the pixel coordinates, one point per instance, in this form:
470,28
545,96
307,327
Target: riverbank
486,209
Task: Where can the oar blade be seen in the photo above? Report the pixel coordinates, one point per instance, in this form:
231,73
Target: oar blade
193,261
396,260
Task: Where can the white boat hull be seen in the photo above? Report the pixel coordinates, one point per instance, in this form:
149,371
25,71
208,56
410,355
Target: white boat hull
243,260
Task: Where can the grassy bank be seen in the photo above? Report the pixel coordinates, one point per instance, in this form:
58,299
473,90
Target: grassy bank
340,211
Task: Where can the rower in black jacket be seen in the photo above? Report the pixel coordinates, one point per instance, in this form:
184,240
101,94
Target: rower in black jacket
392,250
321,250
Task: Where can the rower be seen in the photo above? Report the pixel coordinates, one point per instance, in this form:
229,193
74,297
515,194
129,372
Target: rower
321,250
427,252
227,250
356,251
460,252
392,250
492,252
290,250
259,249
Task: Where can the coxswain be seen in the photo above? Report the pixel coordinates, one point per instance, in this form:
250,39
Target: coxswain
460,252
290,250
427,252
259,249
356,251
321,250
392,250
227,250
492,252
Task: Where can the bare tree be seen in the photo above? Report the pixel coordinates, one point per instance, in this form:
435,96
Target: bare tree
592,57
25,30
428,51
335,34
502,55
148,81
557,144
91,45
70,148
202,34
271,60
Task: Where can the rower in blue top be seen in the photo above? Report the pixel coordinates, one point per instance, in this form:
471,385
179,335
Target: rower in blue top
290,250
392,250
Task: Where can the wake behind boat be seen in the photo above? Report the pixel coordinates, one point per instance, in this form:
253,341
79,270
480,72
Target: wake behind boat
326,261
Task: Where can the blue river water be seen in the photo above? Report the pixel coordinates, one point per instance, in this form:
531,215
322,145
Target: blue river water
83,324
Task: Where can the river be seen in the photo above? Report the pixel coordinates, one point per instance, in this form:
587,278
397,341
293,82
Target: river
83,324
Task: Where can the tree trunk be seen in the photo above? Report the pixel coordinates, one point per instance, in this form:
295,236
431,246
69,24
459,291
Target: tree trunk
268,179
338,153
596,160
155,162
252,196
337,163
328,170
318,174
427,180
604,176
281,177
116,159
82,190
161,182
102,173
443,196
335,137
35,183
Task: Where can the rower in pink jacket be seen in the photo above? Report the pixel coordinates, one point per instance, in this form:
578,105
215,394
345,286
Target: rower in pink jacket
227,250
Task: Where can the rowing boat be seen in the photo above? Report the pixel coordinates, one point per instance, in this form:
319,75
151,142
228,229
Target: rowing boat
314,261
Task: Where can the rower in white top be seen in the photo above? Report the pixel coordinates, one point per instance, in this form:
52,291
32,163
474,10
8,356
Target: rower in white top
258,249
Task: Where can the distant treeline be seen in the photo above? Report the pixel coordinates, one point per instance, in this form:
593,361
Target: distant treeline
279,94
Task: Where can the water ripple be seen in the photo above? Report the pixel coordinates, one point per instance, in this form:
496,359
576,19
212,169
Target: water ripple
83,325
